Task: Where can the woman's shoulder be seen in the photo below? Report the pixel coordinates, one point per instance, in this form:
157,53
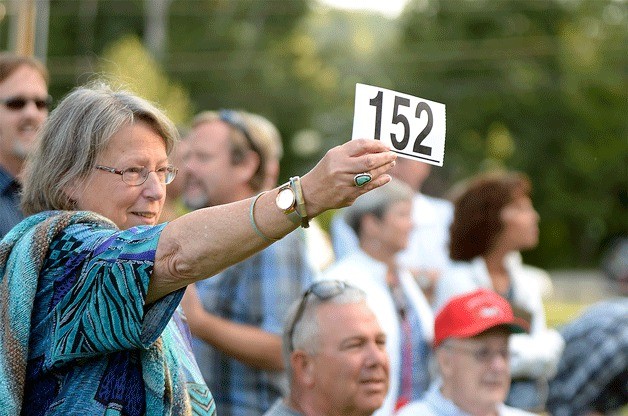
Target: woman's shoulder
358,270
458,271
458,278
100,236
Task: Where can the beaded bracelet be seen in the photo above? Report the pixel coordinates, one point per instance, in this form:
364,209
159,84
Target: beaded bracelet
254,224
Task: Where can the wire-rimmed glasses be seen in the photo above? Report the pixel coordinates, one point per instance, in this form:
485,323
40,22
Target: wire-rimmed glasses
137,175
482,355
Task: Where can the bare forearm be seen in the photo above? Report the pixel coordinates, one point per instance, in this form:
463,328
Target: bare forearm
204,242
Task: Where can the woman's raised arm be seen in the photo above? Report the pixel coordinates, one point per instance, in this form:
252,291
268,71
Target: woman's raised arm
204,242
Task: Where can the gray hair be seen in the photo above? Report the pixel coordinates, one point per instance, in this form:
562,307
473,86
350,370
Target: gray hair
376,202
306,333
76,132
261,131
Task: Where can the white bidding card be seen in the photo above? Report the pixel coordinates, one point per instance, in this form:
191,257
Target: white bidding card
413,127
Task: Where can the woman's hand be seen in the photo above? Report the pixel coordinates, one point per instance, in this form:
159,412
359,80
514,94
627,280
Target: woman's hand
330,184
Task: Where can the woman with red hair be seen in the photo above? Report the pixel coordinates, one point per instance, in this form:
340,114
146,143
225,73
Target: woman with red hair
494,219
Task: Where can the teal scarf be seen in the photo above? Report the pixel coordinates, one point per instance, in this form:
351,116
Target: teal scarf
23,252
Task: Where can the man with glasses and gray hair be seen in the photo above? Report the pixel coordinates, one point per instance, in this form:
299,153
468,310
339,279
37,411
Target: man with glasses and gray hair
335,354
236,317
24,103
471,342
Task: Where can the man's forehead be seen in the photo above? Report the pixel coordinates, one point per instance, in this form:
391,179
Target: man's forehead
23,71
354,318
500,333
211,132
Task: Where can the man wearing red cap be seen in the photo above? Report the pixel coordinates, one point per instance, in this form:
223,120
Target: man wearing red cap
471,342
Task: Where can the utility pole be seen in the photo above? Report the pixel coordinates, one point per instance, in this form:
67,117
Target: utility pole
29,29
156,27
22,36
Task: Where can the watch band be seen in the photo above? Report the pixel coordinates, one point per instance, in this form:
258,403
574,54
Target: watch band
294,217
295,183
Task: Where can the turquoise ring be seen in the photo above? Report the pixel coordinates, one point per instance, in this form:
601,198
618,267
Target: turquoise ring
362,179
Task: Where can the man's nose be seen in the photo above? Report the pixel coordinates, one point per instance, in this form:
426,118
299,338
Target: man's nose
376,355
154,188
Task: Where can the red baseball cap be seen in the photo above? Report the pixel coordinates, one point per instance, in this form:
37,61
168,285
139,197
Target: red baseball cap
470,314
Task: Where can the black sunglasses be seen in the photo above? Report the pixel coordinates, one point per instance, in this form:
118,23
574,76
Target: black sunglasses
18,103
234,120
324,290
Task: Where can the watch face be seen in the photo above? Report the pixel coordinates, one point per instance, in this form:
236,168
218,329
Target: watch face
285,199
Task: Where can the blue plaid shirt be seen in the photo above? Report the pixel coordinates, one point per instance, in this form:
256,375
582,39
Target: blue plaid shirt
593,371
10,213
257,291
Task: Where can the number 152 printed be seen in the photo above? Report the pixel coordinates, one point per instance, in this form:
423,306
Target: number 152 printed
413,127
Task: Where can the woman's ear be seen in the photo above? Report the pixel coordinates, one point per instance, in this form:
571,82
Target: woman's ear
73,190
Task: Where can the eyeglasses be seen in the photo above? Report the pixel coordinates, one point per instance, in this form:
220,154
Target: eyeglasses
482,355
324,290
137,175
234,120
18,103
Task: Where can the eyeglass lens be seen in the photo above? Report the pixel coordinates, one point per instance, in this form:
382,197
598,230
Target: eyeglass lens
484,354
137,176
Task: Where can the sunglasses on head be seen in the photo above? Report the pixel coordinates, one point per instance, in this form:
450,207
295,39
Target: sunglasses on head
324,290
234,120
18,103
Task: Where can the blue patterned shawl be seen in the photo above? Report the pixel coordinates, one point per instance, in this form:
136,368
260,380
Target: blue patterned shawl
22,254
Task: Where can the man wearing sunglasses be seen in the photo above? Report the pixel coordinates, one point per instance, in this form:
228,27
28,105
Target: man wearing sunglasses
24,103
471,341
236,317
335,354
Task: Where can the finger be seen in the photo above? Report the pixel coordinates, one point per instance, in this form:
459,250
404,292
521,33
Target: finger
375,183
365,177
368,162
359,147
372,162
382,169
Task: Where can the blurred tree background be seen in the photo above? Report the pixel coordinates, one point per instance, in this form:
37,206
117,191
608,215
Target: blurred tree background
538,86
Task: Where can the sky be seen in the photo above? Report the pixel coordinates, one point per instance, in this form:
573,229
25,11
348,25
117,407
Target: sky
391,8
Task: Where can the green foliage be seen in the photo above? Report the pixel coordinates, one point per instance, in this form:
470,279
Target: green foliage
533,86
240,54
126,62
536,86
